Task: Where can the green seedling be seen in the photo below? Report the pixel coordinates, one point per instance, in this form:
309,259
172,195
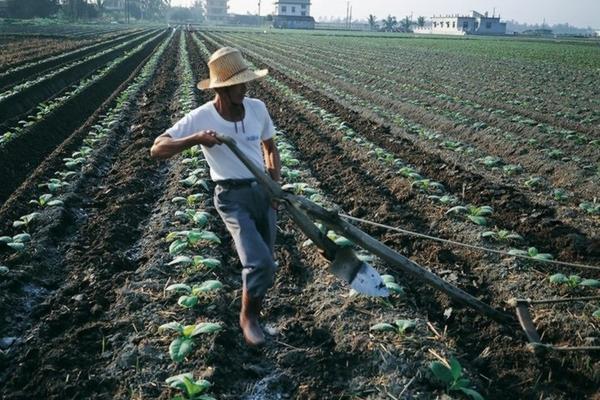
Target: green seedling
502,236
193,293
590,208
199,218
17,242
182,240
74,162
427,185
26,220
191,201
596,314
192,152
451,375
452,145
193,180
194,162
291,175
4,270
533,253
475,214
555,154
54,184
65,175
84,151
391,285
192,389
574,281
185,342
299,188
560,195
409,173
196,261
447,200
400,326
339,240
534,182
512,169
46,200
490,161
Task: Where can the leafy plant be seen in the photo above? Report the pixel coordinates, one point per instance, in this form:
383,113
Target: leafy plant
501,235
590,208
26,220
45,200
193,179
4,270
428,185
531,252
401,326
196,261
16,242
182,240
391,285
452,376
445,199
193,293
199,218
534,182
573,281
475,214
185,343
512,169
560,195
596,314
490,161
299,188
339,240
192,389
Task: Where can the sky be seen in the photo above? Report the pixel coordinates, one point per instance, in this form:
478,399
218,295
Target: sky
582,13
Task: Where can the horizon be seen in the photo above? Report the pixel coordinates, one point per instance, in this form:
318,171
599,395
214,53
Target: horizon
578,13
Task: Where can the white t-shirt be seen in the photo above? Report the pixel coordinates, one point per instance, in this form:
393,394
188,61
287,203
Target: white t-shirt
257,126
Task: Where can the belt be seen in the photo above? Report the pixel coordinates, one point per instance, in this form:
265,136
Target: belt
236,183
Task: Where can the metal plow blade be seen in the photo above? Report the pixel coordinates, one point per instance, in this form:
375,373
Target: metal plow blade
362,277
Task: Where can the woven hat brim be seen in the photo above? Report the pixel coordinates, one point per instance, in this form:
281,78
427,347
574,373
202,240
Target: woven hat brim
243,77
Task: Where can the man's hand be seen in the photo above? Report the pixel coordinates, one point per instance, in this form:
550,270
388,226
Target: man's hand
207,138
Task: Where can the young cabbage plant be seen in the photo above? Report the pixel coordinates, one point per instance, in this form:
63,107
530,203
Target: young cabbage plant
182,240
409,173
192,200
4,270
533,253
339,240
490,162
199,218
534,182
451,375
596,314
193,180
291,175
184,343
391,285
574,281
192,294
447,200
401,326
299,188
502,236
475,214
17,242
192,389
193,162
46,200
193,151
26,220
590,208
74,162
196,261
512,169
427,185
560,195
54,185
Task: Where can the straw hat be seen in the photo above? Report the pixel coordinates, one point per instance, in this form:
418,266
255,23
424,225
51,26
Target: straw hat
227,68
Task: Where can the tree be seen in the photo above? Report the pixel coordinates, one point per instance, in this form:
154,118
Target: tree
421,21
31,8
406,23
373,22
389,24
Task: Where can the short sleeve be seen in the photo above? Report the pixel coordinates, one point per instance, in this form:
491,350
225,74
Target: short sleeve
184,127
268,128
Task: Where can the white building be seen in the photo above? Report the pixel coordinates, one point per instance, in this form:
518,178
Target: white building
293,14
216,10
476,24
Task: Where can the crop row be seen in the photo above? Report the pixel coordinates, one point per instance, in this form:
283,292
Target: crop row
351,94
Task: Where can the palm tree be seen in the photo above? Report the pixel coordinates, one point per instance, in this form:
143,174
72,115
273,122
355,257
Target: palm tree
405,24
373,22
421,21
389,24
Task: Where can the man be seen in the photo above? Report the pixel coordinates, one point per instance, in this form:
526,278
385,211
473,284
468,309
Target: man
242,204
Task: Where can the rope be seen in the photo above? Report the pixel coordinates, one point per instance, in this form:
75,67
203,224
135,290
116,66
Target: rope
554,301
469,246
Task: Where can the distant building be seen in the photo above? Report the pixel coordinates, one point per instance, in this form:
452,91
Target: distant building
293,14
216,10
476,24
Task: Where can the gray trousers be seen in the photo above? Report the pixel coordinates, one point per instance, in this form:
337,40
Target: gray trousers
251,221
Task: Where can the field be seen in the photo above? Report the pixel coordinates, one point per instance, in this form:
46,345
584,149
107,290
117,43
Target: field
490,142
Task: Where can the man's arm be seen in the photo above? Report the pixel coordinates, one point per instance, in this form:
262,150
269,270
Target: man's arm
165,146
272,160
